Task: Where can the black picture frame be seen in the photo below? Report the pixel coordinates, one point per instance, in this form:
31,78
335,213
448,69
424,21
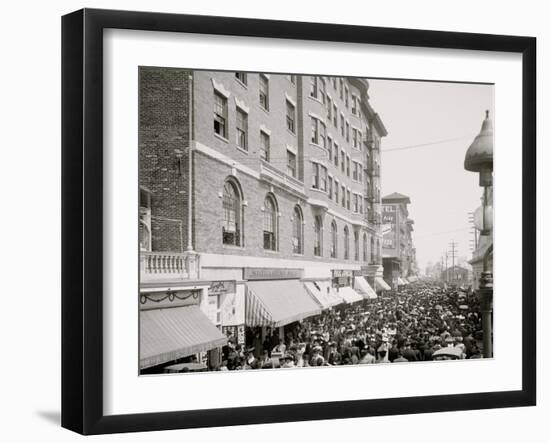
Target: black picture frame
82,218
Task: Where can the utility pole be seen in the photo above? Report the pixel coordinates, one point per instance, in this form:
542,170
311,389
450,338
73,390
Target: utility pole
453,245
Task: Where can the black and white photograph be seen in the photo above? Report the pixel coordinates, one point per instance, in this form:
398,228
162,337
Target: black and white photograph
300,221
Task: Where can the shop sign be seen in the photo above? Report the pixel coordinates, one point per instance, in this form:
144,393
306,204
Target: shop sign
346,273
236,332
271,273
221,287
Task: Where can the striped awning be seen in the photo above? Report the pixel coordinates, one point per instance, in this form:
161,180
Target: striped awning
362,287
172,333
349,294
323,292
277,303
381,285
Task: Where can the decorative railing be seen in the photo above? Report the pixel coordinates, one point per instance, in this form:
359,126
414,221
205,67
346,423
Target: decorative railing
155,266
268,170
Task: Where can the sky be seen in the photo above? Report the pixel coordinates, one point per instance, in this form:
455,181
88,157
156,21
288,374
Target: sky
446,117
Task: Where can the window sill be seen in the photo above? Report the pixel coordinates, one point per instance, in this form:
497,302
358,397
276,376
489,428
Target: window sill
271,251
233,247
221,137
244,85
264,109
315,99
295,254
244,151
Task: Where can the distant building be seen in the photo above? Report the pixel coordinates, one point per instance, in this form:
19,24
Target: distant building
398,252
456,275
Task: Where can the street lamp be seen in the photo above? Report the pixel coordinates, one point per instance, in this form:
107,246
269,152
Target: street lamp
479,158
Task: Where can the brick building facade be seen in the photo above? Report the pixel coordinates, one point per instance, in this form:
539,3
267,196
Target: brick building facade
285,174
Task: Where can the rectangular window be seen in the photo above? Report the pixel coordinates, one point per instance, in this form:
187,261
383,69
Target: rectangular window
329,147
242,129
329,190
349,200
264,146
323,178
329,109
264,92
360,205
354,176
347,97
335,116
314,91
291,163
322,90
343,196
336,151
241,76
359,172
347,132
318,132
290,117
343,161
355,203
315,175
336,191
220,114
342,124
354,104
314,131
354,138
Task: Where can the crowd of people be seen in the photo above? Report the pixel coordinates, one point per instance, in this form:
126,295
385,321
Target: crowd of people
407,325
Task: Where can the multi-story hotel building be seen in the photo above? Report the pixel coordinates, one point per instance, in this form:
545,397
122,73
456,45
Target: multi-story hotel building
260,198
399,254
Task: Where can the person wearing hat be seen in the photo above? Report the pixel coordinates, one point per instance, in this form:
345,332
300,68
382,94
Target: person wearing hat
288,361
317,359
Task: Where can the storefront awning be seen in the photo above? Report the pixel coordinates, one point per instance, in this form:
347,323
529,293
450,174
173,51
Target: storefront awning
277,303
363,288
381,285
349,295
323,292
171,333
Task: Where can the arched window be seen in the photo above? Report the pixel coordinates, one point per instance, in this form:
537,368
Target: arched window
346,243
333,240
356,245
372,251
297,231
317,239
270,223
365,257
232,215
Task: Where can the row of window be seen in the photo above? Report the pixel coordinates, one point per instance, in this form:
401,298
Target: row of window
241,123
323,182
318,90
233,222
